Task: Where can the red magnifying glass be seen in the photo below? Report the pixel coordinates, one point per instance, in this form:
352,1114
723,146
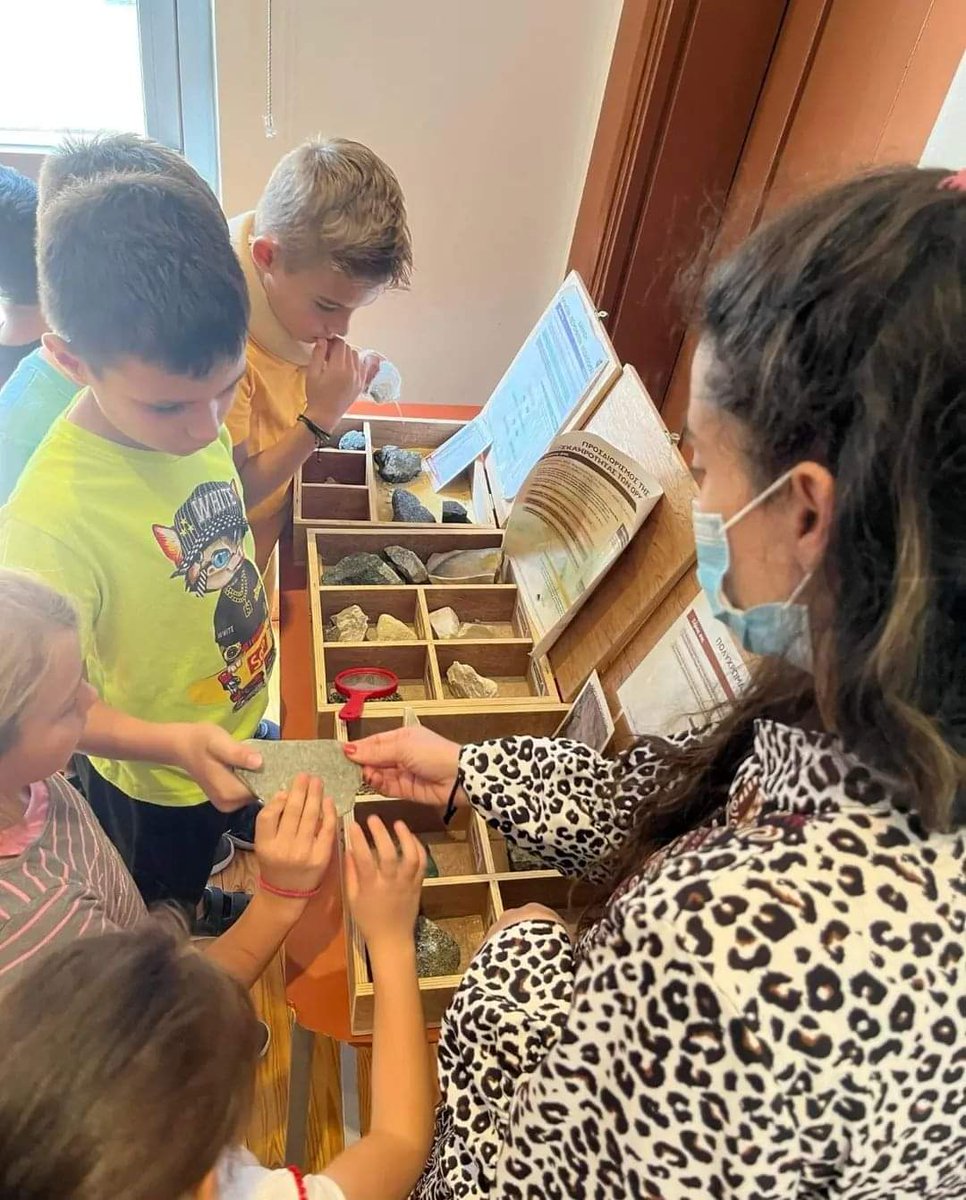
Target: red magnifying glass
359,684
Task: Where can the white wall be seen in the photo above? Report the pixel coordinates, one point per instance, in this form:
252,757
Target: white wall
947,142
487,113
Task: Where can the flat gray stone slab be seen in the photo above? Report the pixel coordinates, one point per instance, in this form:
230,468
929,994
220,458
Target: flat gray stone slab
282,761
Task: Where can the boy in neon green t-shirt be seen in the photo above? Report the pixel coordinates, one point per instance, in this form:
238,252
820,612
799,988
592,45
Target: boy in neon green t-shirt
132,506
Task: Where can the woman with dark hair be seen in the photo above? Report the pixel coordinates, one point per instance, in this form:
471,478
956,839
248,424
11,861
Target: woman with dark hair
770,1000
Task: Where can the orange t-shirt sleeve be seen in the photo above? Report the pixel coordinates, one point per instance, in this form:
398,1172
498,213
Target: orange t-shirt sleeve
239,419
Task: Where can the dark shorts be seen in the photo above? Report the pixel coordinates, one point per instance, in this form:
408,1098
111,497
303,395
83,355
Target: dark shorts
169,849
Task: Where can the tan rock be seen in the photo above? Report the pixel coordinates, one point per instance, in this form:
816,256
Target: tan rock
474,630
467,684
389,629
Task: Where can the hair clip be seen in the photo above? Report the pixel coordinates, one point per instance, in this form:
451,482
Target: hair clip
955,182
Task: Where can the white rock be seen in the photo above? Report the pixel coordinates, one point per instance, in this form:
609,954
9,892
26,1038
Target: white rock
466,684
350,624
445,623
465,566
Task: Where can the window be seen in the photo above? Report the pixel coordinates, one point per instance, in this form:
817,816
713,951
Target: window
76,66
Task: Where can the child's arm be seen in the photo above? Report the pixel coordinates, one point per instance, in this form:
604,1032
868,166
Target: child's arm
334,378
206,752
294,836
383,888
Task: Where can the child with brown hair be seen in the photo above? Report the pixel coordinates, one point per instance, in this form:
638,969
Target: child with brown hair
328,236
115,1086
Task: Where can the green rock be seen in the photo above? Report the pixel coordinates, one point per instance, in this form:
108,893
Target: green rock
523,860
437,952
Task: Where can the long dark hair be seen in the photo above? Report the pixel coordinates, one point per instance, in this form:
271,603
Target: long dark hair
128,1067
838,335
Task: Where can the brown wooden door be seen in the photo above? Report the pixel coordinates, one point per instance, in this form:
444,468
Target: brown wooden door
716,113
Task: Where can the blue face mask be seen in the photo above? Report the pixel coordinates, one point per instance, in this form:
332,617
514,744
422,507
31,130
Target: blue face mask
780,630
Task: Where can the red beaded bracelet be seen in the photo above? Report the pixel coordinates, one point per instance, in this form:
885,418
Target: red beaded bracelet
299,1183
287,893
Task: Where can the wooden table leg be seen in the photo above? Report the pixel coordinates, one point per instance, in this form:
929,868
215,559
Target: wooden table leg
299,1091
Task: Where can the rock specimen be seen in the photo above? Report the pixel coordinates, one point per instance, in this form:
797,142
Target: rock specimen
361,570
349,625
523,860
397,466
473,629
445,623
336,697
407,507
466,684
389,629
283,760
465,566
437,952
407,563
432,869
355,439
454,513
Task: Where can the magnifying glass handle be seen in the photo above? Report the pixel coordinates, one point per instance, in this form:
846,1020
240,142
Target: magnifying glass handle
352,709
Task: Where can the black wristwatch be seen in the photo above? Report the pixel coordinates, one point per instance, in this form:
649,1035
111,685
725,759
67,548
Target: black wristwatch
322,439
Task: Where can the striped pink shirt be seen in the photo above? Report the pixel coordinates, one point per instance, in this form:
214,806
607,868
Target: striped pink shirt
69,882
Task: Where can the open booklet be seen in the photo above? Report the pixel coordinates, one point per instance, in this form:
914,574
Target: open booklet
566,362
693,668
577,510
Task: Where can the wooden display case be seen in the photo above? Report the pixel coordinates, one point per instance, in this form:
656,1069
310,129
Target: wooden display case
422,662
475,884
644,591
342,488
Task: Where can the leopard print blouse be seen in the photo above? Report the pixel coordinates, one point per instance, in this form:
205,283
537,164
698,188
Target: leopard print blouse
776,1007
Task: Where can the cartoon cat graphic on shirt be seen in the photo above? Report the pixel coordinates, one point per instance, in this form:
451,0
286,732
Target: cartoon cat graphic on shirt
206,544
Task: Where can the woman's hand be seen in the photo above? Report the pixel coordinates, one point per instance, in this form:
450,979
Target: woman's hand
383,885
294,836
529,912
411,764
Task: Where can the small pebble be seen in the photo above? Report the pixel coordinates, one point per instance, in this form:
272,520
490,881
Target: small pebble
355,439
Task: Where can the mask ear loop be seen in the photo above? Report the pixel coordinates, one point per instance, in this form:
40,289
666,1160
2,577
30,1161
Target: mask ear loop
760,498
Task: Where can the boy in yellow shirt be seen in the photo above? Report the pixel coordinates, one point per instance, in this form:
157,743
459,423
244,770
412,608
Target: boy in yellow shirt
132,506
329,236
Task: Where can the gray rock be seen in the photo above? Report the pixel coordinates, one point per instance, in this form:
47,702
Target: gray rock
465,566
355,439
407,563
437,952
523,860
466,684
407,507
349,625
445,623
397,466
361,570
282,761
389,629
454,513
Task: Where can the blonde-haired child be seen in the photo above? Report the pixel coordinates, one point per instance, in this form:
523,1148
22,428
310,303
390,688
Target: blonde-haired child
328,236
60,877
114,1086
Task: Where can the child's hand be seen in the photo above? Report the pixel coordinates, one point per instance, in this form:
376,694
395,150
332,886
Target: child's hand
334,378
294,836
383,884
411,764
208,754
